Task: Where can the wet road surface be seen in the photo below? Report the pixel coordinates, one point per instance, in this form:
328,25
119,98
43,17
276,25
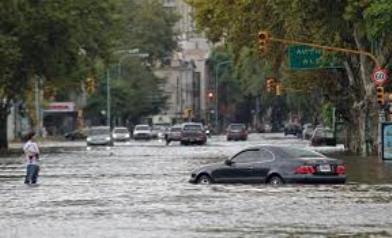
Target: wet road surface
140,189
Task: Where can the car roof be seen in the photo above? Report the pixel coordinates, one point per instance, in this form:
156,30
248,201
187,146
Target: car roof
120,127
192,123
99,127
237,124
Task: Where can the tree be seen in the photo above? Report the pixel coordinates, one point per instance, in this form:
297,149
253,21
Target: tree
350,24
44,40
150,28
135,93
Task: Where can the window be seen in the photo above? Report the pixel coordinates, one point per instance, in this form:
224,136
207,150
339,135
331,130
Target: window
266,155
248,156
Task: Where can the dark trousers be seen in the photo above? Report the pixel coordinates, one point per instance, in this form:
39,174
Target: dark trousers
31,174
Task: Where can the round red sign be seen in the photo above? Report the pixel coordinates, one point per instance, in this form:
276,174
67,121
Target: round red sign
379,76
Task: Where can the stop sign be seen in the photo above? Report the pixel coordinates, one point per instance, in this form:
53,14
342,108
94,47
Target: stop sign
379,76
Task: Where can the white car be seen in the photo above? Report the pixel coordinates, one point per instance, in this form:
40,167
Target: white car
142,132
121,134
99,135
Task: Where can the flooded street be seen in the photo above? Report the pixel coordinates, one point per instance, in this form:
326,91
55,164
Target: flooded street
141,189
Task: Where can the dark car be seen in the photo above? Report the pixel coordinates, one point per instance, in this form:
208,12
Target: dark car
323,136
236,131
293,129
193,133
273,165
79,134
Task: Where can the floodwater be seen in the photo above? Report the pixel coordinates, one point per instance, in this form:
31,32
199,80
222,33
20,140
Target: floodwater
140,189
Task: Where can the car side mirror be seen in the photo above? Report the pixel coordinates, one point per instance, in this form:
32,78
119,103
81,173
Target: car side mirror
228,162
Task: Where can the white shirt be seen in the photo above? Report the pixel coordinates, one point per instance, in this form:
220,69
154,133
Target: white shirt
31,151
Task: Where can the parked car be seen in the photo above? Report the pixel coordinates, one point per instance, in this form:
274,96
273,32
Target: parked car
236,131
273,165
307,132
79,134
323,136
99,135
142,132
292,129
121,134
173,134
193,133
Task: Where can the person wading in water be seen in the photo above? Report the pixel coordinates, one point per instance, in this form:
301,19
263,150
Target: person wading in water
31,152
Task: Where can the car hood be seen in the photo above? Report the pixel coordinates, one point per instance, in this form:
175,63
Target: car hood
209,167
141,131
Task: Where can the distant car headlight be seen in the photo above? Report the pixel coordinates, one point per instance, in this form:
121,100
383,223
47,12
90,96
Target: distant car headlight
88,139
114,136
107,138
127,136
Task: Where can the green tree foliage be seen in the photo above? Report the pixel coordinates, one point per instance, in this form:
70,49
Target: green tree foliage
44,39
135,93
150,28
351,24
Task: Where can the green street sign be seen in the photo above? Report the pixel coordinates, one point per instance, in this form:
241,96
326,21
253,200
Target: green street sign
306,57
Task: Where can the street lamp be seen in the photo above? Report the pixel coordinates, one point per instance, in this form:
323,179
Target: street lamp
216,90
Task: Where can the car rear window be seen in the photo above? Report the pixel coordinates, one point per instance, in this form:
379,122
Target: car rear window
291,152
193,127
175,129
142,128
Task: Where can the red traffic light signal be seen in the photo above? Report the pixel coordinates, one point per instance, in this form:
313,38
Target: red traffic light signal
270,84
210,95
263,40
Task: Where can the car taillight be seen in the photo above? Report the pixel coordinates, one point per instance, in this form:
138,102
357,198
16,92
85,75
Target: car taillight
305,169
340,169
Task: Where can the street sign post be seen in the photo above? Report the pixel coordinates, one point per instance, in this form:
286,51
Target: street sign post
379,76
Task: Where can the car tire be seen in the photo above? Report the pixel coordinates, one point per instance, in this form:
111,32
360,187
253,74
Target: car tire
275,180
204,179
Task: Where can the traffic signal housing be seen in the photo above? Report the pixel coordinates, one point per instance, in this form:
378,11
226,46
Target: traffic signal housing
90,85
270,85
380,96
278,89
263,40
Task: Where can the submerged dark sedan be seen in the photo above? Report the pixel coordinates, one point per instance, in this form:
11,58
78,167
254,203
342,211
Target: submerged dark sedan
273,165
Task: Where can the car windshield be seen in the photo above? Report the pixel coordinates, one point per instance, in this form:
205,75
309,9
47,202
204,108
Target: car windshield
175,129
237,127
121,130
100,131
142,128
193,127
292,152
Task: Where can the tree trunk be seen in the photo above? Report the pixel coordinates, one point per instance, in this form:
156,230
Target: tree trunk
3,129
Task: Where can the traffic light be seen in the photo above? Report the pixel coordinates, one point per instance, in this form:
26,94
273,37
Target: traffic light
380,95
263,40
270,85
90,85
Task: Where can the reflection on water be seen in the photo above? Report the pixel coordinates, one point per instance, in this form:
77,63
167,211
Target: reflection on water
142,191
